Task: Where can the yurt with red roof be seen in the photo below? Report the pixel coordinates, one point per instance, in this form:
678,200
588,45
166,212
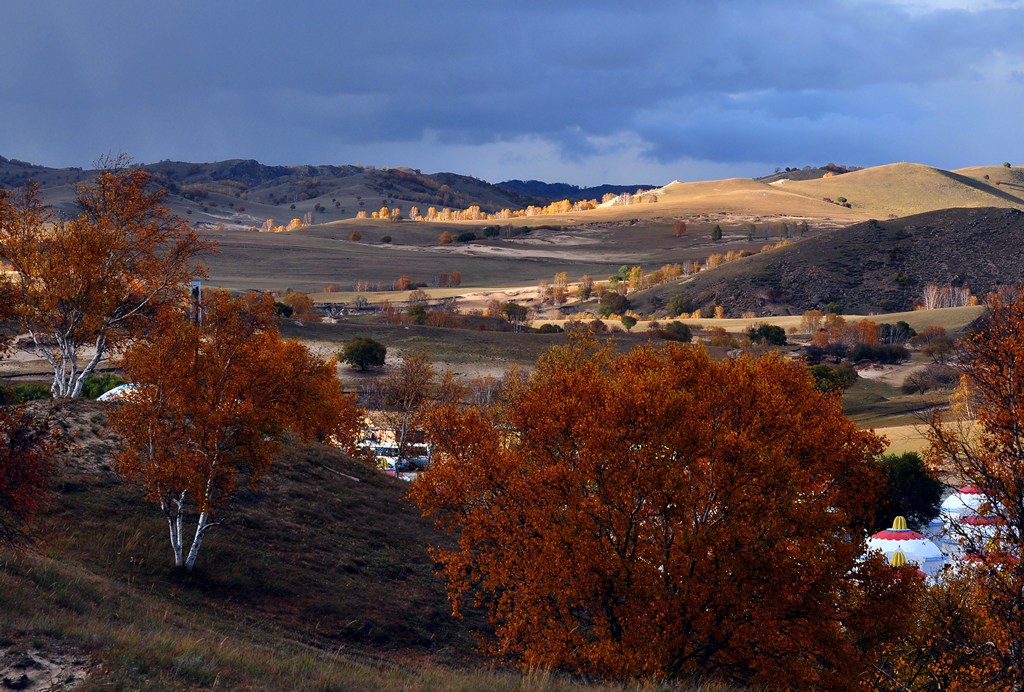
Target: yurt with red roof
915,547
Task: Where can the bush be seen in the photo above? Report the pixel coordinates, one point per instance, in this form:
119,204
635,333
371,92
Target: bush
417,313
628,321
363,353
491,231
386,239
612,304
679,305
23,391
98,384
770,334
467,237
549,329
829,378
676,331
888,354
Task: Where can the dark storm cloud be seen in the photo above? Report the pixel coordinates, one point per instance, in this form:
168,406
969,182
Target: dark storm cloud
741,83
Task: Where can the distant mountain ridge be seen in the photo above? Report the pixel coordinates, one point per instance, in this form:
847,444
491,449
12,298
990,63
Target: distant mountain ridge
557,191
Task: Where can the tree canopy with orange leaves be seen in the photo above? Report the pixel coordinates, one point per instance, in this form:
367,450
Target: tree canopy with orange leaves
27,445
93,281
982,442
209,406
659,514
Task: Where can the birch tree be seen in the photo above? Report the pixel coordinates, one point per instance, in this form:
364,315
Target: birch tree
86,286
210,406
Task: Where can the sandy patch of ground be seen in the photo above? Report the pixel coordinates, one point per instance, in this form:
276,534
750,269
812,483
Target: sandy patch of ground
892,375
31,669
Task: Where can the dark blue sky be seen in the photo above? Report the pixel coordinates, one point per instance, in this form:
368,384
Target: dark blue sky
579,91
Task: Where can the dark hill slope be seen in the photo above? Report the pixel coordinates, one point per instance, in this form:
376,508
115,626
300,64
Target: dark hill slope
875,266
327,554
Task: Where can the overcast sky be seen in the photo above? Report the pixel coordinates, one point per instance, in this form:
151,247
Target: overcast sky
578,91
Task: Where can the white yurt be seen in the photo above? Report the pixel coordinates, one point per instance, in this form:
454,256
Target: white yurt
965,501
915,547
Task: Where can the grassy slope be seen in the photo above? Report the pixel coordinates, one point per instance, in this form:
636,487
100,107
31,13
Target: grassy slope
328,573
902,189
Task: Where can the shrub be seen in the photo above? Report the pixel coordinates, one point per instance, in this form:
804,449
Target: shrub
491,231
770,334
283,310
417,313
23,391
890,354
628,321
467,237
828,378
363,353
679,305
386,239
612,304
676,331
355,236
98,384
549,329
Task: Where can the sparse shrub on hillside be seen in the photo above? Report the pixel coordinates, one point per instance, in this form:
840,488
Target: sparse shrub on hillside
385,239
1006,164
628,321
355,236
612,304
678,228
679,305
549,329
364,353
466,237
716,233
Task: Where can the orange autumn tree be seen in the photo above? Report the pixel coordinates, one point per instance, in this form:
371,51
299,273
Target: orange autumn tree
26,446
211,403
982,442
95,280
659,514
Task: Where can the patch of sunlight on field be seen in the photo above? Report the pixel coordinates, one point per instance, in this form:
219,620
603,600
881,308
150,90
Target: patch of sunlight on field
904,438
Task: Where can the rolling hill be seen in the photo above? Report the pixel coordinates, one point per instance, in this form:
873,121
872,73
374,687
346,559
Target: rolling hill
875,266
